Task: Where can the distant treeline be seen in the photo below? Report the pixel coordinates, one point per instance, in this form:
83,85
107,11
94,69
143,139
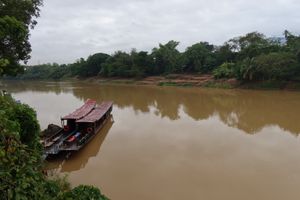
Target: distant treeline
249,57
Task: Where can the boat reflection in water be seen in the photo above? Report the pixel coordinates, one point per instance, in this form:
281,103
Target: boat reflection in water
65,162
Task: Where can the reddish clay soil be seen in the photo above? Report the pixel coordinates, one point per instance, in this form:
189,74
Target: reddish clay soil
176,79
184,79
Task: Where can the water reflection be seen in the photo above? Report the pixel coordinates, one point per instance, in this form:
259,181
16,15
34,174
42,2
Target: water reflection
69,163
180,143
249,111
23,86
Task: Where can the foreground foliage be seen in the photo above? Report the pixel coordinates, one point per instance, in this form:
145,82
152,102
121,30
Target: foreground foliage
21,166
21,175
84,192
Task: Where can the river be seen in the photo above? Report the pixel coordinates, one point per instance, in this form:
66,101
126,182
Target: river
179,143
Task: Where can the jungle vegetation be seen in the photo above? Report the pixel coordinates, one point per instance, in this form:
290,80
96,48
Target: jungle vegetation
250,57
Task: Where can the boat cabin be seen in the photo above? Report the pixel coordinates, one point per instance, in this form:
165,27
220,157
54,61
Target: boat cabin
88,126
78,128
68,122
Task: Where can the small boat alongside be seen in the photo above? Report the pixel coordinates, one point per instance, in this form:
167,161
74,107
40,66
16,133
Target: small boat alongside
77,128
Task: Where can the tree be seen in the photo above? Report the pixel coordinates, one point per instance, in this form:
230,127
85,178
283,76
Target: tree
75,68
250,45
119,64
16,18
14,45
224,54
141,63
23,10
167,58
293,44
200,58
93,65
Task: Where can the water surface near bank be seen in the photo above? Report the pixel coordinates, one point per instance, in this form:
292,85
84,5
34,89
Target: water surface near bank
179,143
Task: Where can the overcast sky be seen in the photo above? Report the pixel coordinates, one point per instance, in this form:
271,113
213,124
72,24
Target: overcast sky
70,29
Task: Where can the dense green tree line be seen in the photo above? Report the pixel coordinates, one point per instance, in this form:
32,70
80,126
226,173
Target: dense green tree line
249,57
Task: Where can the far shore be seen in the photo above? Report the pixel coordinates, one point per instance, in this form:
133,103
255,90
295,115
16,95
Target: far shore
205,80
190,80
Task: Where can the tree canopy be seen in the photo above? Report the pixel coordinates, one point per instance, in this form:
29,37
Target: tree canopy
200,57
249,57
16,18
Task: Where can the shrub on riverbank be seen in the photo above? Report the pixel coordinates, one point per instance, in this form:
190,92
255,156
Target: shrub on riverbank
226,70
84,192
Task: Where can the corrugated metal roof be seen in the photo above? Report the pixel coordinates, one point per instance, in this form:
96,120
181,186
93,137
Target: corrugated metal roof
97,113
88,106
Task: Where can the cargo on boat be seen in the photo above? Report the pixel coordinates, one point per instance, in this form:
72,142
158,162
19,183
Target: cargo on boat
78,128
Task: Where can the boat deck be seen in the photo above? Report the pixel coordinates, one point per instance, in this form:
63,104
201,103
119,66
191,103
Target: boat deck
88,115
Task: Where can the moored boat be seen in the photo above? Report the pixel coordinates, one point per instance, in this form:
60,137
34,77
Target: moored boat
78,128
88,127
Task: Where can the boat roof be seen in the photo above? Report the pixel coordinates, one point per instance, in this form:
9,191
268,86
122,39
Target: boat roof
88,106
97,112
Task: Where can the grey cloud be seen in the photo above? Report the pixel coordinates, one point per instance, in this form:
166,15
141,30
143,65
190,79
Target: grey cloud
70,29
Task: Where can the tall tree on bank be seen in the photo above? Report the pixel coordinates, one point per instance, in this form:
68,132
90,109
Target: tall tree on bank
93,64
200,58
293,44
16,18
166,58
249,46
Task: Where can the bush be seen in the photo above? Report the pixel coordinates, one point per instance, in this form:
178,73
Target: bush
276,66
24,119
226,70
272,66
20,158
84,192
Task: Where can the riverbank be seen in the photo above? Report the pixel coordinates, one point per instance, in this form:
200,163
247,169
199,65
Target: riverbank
206,80
187,80
172,80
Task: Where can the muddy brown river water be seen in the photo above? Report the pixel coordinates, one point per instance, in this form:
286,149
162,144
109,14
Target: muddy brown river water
179,143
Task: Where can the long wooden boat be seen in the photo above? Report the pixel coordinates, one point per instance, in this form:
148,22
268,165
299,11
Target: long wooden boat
77,128
88,127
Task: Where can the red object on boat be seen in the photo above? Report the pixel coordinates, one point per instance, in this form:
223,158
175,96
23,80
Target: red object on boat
88,106
97,113
66,128
71,139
